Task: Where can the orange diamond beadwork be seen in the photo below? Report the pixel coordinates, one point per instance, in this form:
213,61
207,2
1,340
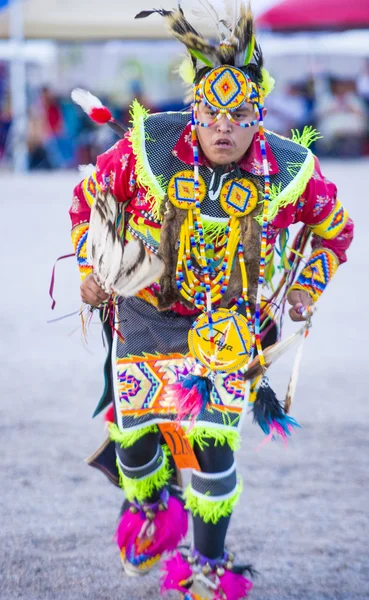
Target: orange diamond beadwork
225,87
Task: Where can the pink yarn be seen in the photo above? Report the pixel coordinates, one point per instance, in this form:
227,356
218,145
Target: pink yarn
174,570
171,526
234,586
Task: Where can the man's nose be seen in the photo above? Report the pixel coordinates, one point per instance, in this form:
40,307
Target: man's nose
224,124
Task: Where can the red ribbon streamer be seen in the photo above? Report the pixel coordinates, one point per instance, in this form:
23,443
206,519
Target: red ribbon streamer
52,282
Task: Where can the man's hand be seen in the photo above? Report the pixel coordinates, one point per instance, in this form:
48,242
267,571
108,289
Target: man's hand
91,292
299,300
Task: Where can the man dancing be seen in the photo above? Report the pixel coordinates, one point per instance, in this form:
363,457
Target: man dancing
175,235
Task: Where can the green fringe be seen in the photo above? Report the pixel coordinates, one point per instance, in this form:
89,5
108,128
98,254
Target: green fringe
307,137
143,489
155,186
211,510
292,192
213,231
275,190
269,269
200,435
128,438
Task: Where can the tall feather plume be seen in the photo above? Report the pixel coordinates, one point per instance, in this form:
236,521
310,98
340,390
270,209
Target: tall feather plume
208,12
196,44
232,10
244,32
237,42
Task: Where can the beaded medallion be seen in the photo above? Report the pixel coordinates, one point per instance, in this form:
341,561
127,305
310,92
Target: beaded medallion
225,87
238,197
181,189
230,347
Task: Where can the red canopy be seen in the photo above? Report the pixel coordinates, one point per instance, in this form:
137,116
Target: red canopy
302,15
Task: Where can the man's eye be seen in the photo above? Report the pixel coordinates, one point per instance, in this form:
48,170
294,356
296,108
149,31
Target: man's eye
211,113
240,116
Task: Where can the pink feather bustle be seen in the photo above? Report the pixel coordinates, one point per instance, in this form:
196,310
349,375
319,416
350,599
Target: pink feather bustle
176,571
189,403
191,395
170,527
234,586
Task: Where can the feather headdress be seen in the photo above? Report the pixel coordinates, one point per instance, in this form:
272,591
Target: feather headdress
236,44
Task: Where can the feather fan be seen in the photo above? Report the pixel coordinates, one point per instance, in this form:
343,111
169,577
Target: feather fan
124,270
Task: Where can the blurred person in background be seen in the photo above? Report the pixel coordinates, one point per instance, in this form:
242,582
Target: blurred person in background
287,110
341,119
47,132
175,233
362,85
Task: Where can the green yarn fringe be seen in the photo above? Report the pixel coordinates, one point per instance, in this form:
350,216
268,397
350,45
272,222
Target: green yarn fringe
213,231
201,435
155,186
142,489
128,438
211,510
301,173
307,137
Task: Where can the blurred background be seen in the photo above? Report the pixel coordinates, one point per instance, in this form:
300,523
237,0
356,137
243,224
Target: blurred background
317,50
303,521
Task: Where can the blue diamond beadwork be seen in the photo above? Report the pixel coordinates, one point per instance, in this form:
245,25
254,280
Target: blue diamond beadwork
238,197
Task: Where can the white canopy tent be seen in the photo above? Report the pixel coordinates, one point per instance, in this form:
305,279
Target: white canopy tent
93,20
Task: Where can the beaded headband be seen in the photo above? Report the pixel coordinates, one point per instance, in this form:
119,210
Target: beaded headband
225,90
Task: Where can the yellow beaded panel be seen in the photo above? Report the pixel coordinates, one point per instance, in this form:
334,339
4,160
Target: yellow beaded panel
332,226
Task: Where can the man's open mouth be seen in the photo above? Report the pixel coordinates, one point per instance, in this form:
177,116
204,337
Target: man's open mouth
223,143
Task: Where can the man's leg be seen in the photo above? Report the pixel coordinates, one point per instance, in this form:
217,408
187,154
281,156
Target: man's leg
153,520
208,572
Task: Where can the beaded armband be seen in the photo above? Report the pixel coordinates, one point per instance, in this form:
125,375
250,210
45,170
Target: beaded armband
332,225
79,241
317,273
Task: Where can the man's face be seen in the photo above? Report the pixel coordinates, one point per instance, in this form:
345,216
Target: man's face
225,142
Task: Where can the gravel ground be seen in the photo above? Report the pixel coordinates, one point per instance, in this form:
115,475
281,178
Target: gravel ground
303,520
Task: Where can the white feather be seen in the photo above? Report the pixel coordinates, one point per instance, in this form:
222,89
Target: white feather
103,252
86,100
232,10
87,170
114,263
148,272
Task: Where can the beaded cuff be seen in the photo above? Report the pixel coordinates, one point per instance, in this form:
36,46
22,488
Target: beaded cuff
317,273
79,241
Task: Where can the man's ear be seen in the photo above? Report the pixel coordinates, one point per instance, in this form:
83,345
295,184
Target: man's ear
265,112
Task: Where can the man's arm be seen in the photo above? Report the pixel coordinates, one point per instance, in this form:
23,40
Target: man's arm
332,235
115,172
